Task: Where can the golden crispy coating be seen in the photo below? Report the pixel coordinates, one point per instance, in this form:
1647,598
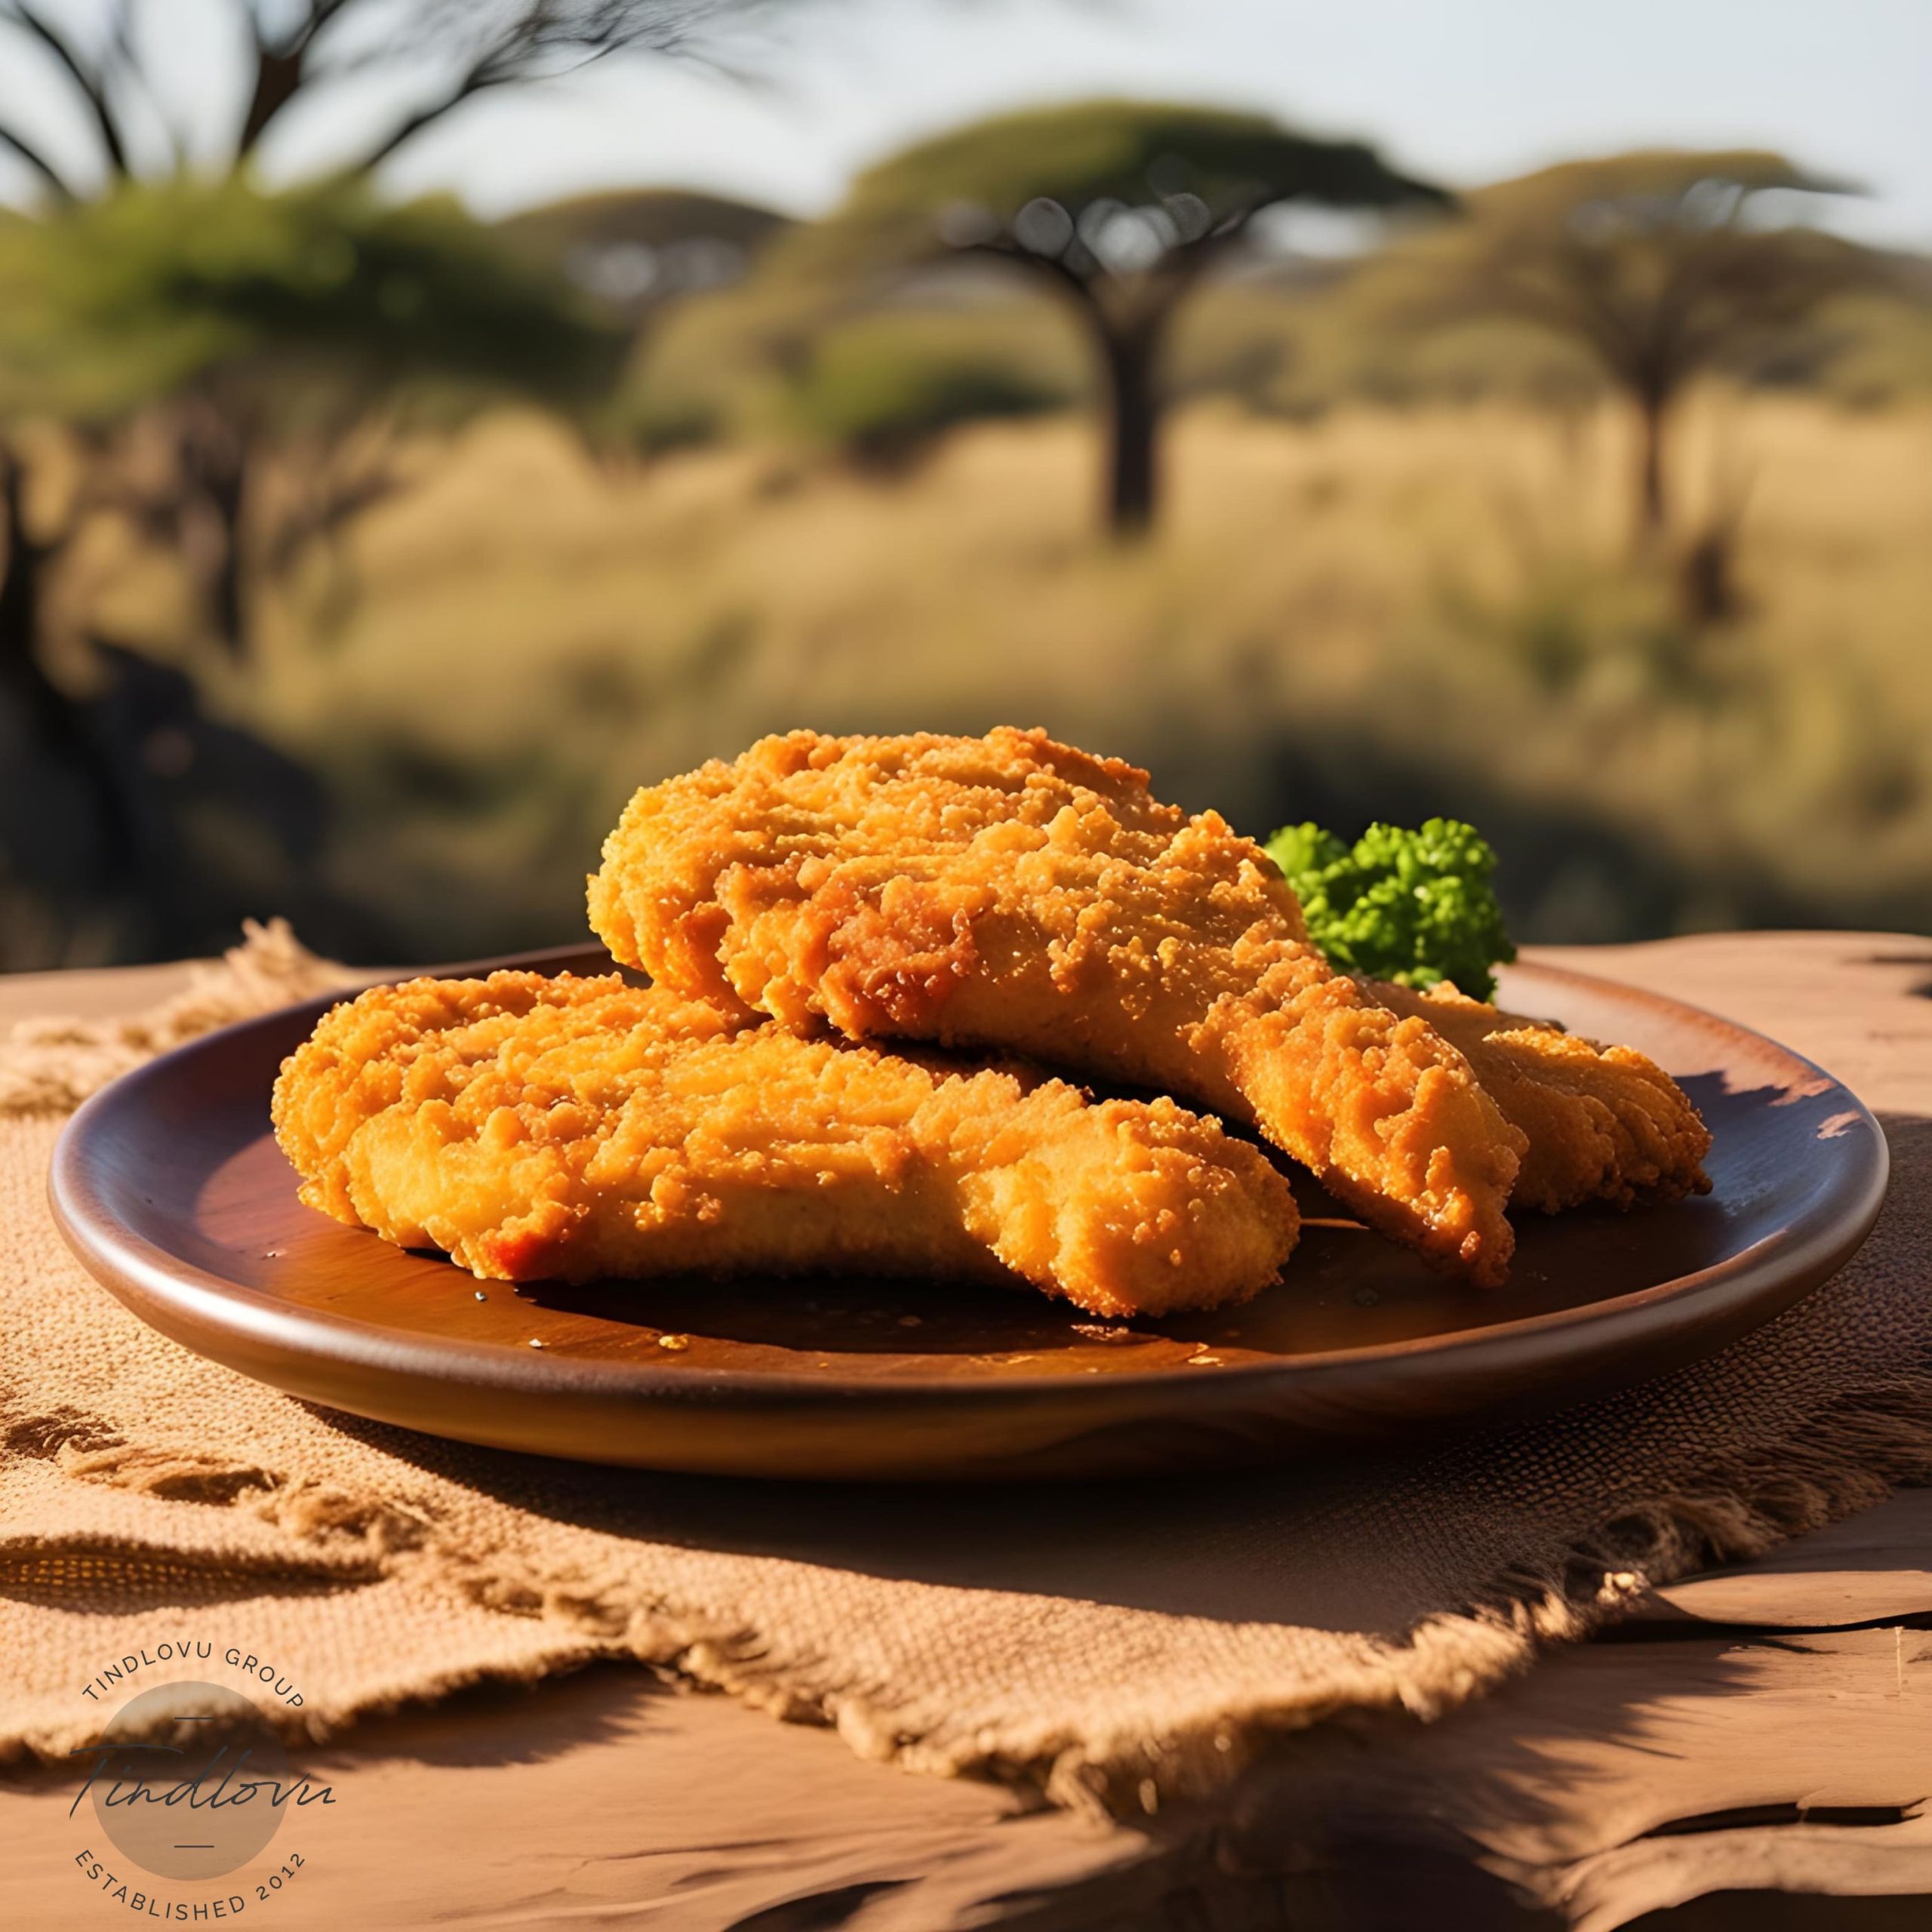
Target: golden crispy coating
538,1128
1603,1123
1011,892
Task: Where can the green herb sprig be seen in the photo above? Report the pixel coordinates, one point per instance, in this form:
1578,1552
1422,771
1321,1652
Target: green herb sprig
1416,907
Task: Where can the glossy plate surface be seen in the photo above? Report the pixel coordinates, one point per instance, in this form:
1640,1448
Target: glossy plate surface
170,1189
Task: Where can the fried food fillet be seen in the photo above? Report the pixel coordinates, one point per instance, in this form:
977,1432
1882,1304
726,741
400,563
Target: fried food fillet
1603,1123
538,1128
1014,893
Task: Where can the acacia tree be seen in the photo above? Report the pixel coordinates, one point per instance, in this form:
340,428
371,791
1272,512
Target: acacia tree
1662,267
91,76
277,317
1119,207
160,304
257,317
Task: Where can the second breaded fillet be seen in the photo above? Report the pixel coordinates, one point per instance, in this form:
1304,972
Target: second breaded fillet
1010,892
1603,1123
537,1128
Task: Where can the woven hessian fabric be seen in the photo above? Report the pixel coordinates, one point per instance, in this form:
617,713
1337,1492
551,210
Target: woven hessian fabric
1107,1644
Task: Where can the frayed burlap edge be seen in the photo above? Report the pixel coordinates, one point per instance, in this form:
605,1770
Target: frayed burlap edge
1848,1455
1847,1459
50,1066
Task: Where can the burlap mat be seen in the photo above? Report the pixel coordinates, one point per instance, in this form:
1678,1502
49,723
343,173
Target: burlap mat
1101,1643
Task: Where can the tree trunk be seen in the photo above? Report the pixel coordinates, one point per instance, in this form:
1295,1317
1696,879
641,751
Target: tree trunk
215,448
227,594
1133,412
21,559
279,79
1653,504
72,818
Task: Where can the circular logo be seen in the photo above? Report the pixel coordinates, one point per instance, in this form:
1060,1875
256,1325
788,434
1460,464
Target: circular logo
189,1780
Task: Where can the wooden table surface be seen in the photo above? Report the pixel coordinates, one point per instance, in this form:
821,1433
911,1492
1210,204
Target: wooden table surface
1753,1750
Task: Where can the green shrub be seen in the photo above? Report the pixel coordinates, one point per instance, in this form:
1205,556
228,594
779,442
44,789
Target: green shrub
881,390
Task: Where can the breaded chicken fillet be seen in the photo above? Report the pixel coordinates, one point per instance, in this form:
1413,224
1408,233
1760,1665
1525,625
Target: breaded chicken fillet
1013,893
539,1128
1603,1123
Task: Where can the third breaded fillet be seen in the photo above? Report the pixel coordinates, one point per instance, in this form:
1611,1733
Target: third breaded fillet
1013,892
568,1128
1603,1123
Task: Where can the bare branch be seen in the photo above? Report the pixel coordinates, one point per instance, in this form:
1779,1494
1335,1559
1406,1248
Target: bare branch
129,67
476,81
279,79
282,68
1182,266
88,80
547,40
1064,279
20,146
295,36
473,45
320,13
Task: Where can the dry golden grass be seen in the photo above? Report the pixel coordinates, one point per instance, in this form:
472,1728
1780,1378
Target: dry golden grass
1379,612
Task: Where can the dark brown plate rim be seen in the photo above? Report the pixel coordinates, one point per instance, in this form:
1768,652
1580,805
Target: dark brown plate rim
181,1298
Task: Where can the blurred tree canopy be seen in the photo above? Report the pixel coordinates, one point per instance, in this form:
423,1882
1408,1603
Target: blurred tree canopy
642,255
256,320
174,325
1119,206
1660,267
160,286
211,300
219,325
635,249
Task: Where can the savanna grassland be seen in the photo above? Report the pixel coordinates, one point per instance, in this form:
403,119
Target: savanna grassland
1380,612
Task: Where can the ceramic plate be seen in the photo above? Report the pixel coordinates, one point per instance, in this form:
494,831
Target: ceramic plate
170,1188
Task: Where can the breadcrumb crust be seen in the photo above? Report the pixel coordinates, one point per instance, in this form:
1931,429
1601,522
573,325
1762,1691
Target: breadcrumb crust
1012,892
572,1128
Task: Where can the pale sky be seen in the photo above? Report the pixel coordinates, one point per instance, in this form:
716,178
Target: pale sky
1464,90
